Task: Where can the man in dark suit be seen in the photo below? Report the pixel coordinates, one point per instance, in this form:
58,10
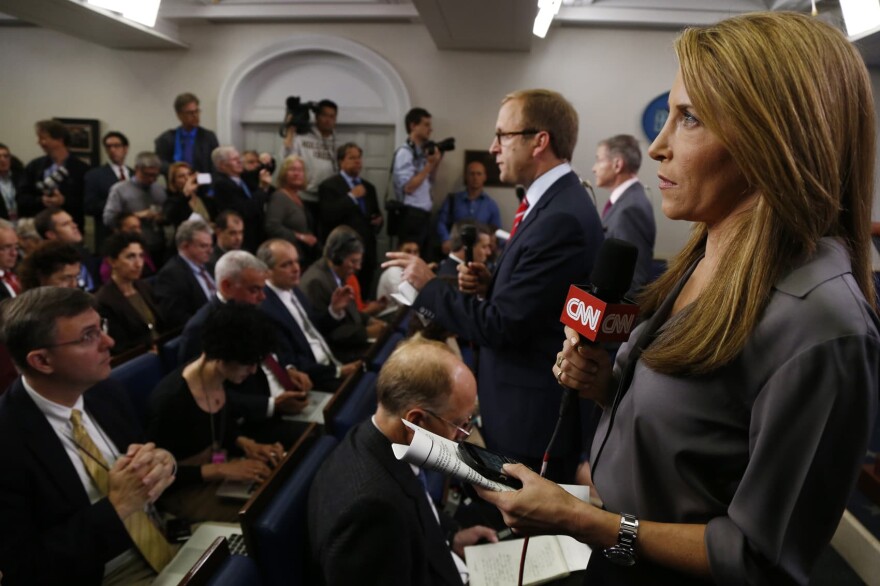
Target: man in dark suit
56,179
11,176
76,482
628,214
10,286
301,342
183,284
343,252
189,142
347,199
99,180
241,193
55,224
229,235
371,520
514,315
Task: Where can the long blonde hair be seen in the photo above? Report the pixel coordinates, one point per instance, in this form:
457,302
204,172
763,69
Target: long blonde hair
790,98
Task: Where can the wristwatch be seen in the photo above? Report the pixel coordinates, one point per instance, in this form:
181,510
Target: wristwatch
623,553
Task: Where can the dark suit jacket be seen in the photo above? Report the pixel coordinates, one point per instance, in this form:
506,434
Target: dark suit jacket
229,196
16,176
318,283
126,325
178,292
206,141
631,218
338,209
29,197
49,532
370,521
517,325
293,347
98,182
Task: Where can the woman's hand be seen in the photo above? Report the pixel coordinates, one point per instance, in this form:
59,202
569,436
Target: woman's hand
270,454
586,368
245,469
542,507
307,239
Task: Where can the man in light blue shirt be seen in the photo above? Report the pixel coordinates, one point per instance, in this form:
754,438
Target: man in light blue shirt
471,203
414,172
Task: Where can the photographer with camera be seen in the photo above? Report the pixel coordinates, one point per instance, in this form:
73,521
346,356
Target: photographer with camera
55,180
413,174
314,144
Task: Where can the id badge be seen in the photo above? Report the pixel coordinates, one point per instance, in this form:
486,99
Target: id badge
218,457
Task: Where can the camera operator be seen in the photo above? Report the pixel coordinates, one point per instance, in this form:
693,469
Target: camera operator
414,171
56,179
317,148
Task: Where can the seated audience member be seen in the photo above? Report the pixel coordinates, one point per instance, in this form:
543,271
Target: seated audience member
126,301
472,203
241,278
286,214
190,416
57,224
301,344
51,264
347,199
229,233
232,192
367,501
11,176
390,279
182,201
78,481
10,286
342,257
128,224
99,180
55,180
189,142
183,284
448,268
142,196
28,237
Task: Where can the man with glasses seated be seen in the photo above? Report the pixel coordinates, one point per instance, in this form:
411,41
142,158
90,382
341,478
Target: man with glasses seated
371,520
77,483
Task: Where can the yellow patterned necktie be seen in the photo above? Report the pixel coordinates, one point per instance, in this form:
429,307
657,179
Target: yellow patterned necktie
144,533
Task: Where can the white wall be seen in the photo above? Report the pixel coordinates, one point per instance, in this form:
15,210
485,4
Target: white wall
609,75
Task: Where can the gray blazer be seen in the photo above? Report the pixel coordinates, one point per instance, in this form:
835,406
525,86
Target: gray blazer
631,218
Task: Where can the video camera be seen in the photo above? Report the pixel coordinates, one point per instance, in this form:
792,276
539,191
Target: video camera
53,181
298,115
445,145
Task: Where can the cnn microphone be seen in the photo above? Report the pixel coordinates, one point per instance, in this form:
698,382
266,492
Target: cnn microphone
598,311
520,192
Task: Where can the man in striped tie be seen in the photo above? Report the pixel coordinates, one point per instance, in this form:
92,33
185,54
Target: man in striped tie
77,487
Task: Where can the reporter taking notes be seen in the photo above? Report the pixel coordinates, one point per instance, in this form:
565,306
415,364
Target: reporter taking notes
736,416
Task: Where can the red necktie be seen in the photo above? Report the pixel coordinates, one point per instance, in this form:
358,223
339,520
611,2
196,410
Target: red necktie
11,280
279,373
606,208
121,174
520,212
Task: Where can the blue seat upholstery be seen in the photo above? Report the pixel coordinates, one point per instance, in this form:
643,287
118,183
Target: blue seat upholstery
280,531
382,355
169,352
237,570
359,405
139,376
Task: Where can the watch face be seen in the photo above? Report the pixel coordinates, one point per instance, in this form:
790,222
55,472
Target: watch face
620,556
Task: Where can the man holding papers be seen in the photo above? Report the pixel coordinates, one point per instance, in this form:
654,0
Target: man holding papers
371,520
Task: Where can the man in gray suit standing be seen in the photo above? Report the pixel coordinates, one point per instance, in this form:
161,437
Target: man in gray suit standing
628,214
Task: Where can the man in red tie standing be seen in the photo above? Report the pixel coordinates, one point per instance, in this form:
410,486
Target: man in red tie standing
513,314
8,259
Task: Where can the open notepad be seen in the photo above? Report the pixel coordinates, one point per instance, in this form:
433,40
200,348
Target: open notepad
550,557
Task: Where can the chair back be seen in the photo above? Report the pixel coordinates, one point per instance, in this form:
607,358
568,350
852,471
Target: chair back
139,376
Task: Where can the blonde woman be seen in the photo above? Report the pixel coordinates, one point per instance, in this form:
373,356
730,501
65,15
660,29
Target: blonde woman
287,216
736,417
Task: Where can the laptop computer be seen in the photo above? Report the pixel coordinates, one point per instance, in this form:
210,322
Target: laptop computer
192,550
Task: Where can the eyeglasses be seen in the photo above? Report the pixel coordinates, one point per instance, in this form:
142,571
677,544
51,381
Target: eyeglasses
89,338
191,112
500,136
464,428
